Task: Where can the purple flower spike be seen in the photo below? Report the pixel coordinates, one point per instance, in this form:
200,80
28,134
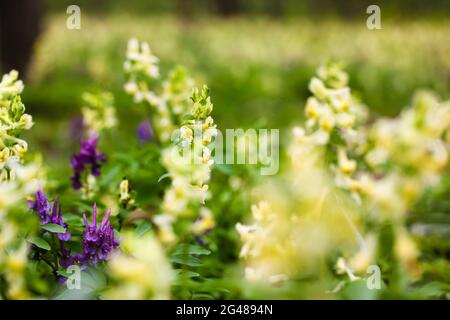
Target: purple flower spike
40,206
54,217
91,230
66,259
98,243
88,156
144,132
49,214
105,221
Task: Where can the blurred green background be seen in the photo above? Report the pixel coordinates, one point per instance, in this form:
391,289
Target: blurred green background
256,56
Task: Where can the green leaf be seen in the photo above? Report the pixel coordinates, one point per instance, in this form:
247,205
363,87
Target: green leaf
93,278
166,175
70,217
52,227
185,249
358,290
187,117
39,242
186,273
109,177
202,296
64,273
142,228
187,260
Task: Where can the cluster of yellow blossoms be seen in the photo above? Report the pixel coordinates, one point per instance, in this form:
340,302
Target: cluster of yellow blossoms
406,155
13,119
189,163
332,107
13,248
16,182
98,111
140,270
168,105
186,130
298,221
344,173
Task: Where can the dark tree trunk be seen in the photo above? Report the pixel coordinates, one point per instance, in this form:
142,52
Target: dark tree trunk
19,28
228,7
276,8
343,8
184,10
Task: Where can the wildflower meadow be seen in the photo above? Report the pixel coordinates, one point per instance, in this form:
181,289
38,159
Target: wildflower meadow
198,157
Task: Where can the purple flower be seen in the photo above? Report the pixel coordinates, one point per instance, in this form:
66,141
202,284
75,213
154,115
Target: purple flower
98,242
47,214
56,218
40,206
144,132
66,259
88,156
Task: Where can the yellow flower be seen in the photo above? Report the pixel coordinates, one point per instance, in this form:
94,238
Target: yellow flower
346,166
327,121
407,253
140,270
318,88
204,222
312,109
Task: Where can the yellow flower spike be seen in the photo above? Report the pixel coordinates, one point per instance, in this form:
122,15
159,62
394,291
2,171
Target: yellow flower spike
189,161
12,119
98,111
